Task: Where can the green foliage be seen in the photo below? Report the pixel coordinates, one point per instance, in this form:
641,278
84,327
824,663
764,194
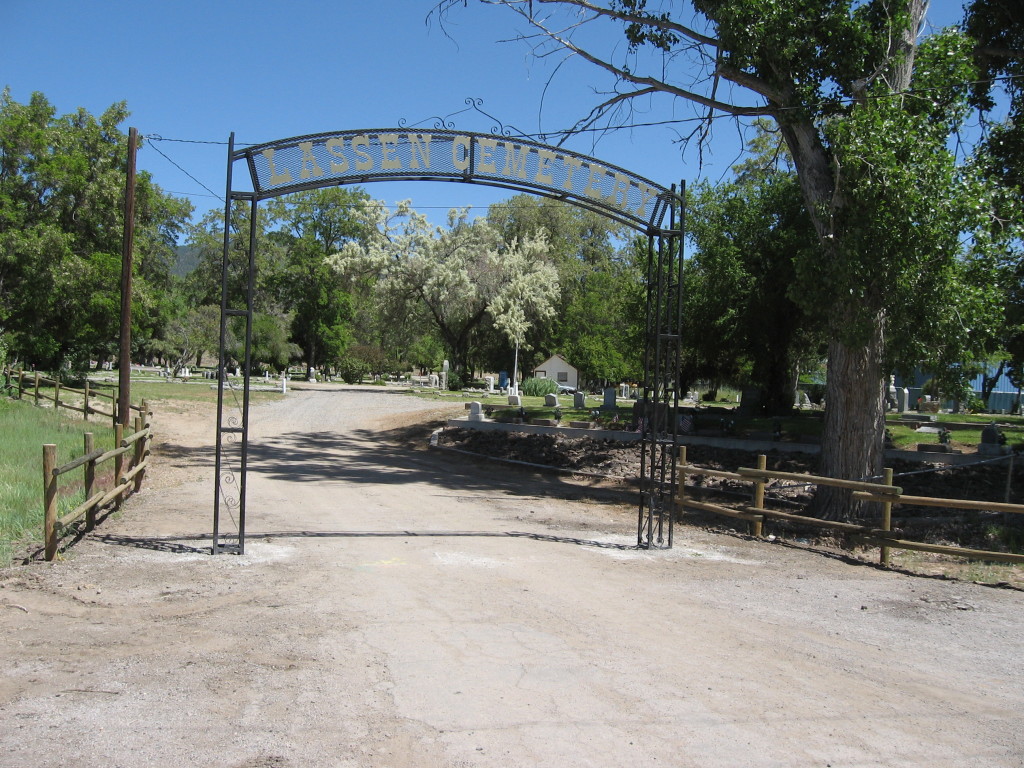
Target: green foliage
351,369
454,279
456,381
744,323
62,182
377,361
535,387
600,303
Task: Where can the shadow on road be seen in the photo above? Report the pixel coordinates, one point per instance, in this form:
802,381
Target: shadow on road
365,459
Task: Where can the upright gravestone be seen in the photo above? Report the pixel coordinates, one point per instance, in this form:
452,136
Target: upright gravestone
432,381
490,383
515,400
579,400
551,401
476,412
609,399
993,441
902,399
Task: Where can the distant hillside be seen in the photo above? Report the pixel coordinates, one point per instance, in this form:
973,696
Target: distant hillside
187,260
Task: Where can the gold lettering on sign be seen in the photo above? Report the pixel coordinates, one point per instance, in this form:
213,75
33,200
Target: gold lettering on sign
485,161
620,189
336,147
646,195
572,164
597,174
515,160
460,159
388,152
419,143
275,177
308,163
354,155
363,160
544,159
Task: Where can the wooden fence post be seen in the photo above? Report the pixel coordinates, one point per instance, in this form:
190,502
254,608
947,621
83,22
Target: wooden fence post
140,449
85,408
118,461
49,500
21,383
883,552
37,387
762,463
56,394
682,484
90,481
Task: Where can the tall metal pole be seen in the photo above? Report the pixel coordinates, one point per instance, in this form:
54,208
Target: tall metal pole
124,396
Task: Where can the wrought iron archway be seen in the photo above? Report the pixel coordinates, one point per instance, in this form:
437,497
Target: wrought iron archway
407,154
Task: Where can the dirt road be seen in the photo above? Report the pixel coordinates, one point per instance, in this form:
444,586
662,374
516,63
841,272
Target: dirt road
404,608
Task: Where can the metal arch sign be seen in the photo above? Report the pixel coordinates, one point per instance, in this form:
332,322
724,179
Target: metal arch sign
400,154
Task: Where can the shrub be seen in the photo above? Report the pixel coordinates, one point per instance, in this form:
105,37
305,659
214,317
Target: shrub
539,387
352,369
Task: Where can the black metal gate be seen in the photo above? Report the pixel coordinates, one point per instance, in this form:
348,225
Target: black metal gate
359,157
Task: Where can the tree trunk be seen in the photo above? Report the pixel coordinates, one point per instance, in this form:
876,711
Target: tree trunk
853,437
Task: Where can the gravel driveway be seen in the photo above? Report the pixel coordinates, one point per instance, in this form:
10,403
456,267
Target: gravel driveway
398,607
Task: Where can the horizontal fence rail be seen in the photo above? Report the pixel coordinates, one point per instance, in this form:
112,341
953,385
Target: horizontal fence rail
41,388
131,460
885,493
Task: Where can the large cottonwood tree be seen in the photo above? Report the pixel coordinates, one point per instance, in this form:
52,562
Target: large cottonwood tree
865,107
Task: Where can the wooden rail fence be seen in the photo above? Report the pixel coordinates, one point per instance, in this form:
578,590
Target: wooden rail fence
884,493
35,384
131,459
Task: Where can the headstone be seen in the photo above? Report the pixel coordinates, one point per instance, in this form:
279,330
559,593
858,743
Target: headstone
992,441
902,399
609,399
502,379
579,400
551,401
432,380
490,383
476,411
238,371
515,400
443,381
284,382
444,366
625,391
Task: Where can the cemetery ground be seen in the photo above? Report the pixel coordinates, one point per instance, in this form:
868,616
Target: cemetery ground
398,606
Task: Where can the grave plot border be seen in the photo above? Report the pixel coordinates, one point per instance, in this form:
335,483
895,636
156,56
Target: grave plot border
360,157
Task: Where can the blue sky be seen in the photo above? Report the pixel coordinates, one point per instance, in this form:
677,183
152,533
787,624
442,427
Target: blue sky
197,70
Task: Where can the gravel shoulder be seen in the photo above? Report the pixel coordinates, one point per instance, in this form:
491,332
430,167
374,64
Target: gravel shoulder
403,607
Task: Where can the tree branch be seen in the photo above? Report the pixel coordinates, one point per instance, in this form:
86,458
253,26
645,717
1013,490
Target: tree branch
651,82
647,21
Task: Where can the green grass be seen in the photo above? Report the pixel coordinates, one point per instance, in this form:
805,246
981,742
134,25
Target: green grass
198,390
25,428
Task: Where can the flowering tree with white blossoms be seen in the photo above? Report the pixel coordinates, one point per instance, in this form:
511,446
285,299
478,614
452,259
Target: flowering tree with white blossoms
455,277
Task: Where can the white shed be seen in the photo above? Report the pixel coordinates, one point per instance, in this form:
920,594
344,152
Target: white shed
558,368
